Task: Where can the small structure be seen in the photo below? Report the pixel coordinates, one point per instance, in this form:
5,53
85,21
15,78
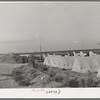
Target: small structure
82,54
91,54
98,75
76,66
81,65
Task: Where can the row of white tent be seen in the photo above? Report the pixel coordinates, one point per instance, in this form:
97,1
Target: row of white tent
84,54
79,64
77,54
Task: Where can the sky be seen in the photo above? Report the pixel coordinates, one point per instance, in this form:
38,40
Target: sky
53,25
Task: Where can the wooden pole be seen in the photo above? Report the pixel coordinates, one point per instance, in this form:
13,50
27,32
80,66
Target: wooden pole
40,49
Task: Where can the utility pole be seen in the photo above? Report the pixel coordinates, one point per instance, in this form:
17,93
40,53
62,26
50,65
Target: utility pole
40,45
40,49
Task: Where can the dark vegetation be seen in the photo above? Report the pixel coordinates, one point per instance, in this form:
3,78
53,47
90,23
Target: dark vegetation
37,75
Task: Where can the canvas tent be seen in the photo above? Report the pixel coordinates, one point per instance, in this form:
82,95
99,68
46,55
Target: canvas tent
76,66
82,54
93,63
46,61
98,75
66,55
91,54
76,54
51,61
66,63
57,61
76,63
80,65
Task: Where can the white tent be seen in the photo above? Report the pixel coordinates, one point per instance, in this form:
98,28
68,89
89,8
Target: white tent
98,75
66,55
82,54
76,63
91,54
76,54
67,62
76,66
80,65
51,61
93,63
57,61
84,65
60,60
46,61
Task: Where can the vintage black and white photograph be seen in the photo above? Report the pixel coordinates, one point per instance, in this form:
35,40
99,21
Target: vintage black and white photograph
50,45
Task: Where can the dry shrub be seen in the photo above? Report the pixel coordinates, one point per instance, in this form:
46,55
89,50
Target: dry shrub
56,69
89,81
42,67
61,78
97,81
77,81
73,83
52,71
58,75
81,82
53,84
24,74
58,78
24,59
40,81
98,84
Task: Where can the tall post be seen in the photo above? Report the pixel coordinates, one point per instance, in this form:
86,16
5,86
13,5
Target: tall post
40,45
40,49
